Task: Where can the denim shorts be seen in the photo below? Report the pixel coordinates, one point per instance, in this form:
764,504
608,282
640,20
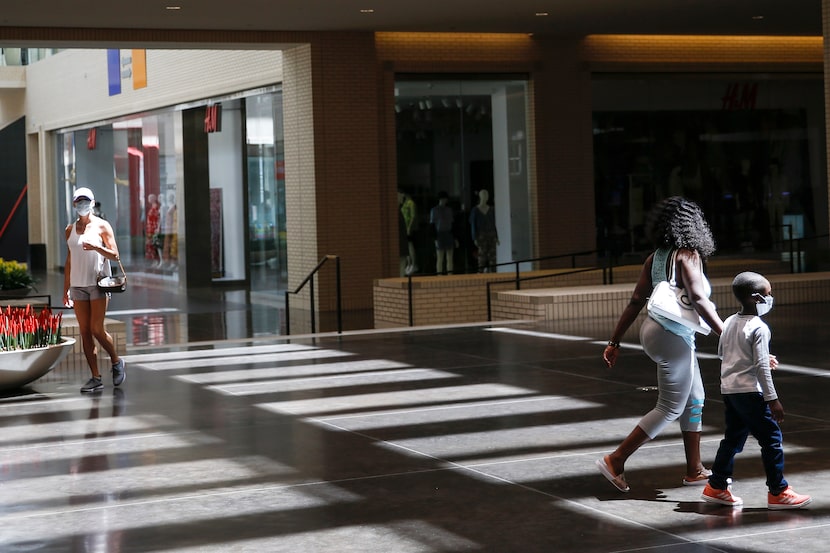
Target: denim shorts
87,293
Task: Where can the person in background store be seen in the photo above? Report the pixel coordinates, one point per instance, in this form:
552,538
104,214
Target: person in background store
90,248
410,218
441,217
673,225
96,210
485,234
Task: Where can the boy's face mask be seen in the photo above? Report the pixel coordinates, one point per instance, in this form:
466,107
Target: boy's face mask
764,308
83,207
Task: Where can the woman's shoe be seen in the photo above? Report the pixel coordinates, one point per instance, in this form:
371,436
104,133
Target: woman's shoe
702,477
618,480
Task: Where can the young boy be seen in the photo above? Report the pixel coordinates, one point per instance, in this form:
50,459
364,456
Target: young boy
749,398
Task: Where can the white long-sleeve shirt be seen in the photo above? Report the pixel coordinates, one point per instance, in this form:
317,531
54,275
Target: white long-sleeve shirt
744,352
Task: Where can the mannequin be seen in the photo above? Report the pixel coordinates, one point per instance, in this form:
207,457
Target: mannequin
485,235
410,217
152,226
171,237
441,217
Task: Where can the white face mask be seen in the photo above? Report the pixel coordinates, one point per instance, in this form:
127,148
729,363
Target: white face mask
83,208
764,308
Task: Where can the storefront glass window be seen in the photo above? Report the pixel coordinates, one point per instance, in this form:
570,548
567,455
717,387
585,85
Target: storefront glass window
750,152
135,167
130,165
266,192
461,137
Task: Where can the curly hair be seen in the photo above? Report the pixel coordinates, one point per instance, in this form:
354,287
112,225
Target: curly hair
679,223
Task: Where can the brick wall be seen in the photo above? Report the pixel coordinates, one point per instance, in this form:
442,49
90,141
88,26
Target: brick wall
75,361
557,293
825,18
563,190
334,196
562,304
707,53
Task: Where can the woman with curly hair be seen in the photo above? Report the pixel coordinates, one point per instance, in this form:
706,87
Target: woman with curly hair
674,225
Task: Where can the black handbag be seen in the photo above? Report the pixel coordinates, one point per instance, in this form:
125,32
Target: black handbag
113,284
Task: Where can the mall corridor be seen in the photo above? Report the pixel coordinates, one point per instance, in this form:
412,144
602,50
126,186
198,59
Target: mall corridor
477,438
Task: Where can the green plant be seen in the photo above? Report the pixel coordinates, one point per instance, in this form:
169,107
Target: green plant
14,275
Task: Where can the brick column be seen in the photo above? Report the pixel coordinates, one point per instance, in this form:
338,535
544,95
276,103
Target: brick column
334,194
564,184
825,18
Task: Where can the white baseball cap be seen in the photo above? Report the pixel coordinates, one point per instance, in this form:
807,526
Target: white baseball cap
83,192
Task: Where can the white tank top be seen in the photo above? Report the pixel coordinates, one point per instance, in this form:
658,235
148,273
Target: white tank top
86,265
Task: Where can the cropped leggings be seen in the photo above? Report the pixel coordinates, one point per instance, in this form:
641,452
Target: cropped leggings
679,382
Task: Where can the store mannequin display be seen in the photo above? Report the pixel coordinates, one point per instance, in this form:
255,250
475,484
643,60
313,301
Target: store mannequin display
441,217
485,235
170,253
410,218
152,226
96,210
403,244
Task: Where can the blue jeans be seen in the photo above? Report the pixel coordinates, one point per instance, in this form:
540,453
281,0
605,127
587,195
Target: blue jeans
745,414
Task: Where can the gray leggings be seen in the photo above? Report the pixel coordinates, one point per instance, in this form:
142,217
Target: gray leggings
679,382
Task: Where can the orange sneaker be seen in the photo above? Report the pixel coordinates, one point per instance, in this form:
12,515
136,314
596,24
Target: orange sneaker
724,497
788,499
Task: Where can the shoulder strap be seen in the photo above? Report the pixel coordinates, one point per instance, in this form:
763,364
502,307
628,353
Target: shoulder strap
671,275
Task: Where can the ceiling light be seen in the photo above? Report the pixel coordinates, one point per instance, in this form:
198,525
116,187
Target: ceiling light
757,17
542,14
367,10
172,8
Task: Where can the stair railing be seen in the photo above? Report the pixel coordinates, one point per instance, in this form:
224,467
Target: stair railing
310,281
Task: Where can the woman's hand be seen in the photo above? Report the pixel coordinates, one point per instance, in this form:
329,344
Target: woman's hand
67,301
610,355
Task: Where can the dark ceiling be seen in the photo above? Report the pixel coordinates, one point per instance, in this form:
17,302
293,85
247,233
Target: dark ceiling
564,17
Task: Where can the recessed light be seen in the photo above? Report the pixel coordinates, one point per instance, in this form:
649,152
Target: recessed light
367,10
172,8
542,14
757,17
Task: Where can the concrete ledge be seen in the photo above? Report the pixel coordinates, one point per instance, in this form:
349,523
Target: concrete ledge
609,301
450,299
458,299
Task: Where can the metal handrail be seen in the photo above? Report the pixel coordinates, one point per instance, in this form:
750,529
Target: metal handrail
518,262
310,281
797,248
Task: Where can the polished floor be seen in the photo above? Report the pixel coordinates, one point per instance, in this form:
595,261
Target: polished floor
477,438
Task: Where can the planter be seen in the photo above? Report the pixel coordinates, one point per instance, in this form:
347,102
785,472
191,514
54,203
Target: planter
20,367
16,292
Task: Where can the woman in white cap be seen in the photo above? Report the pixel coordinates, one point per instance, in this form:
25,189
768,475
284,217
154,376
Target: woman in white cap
91,246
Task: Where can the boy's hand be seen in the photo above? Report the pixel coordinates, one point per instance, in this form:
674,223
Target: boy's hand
777,410
773,362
